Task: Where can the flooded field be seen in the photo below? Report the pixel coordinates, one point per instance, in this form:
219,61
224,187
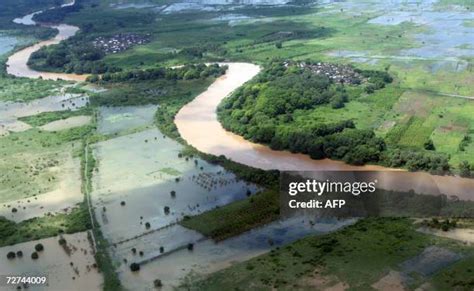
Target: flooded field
465,235
71,264
67,123
11,111
117,119
208,256
140,179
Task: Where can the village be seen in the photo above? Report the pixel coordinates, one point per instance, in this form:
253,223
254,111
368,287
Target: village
337,72
120,42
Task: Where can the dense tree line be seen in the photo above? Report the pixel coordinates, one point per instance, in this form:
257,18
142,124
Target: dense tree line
417,160
187,72
73,56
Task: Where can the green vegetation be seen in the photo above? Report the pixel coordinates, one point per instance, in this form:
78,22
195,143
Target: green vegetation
20,89
42,227
186,72
237,217
444,225
47,117
168,87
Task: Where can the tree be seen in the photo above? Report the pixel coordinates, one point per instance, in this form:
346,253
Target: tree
278,44
34,256
39,247
11,255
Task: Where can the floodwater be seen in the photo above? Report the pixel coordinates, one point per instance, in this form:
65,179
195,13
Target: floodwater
465,235
141,169
117,119
65,267
208,256
197,121
17,63
444,36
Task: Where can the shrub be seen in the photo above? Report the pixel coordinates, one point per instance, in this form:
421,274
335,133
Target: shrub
34,256
62,241
11,255
19,254
157,283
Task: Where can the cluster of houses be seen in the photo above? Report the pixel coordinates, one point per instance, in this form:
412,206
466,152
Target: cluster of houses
120,42
339,73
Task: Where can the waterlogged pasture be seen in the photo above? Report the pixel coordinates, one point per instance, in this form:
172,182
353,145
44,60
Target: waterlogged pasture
71,264
114,120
